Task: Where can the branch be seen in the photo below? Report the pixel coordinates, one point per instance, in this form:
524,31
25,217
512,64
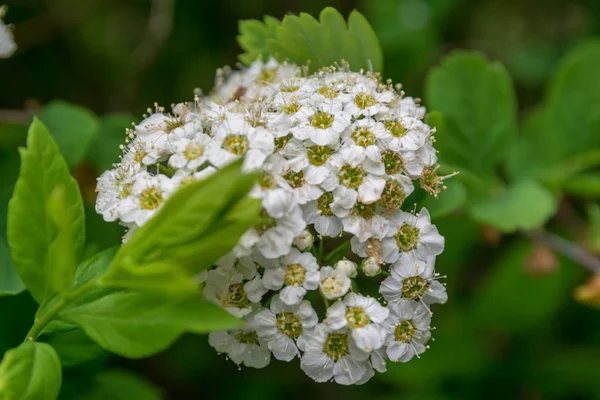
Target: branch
566,248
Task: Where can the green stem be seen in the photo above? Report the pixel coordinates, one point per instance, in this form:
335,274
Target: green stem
165,170
325,300
336,252
40,323
320,250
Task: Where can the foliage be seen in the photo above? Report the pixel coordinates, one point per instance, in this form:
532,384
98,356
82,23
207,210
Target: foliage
513,330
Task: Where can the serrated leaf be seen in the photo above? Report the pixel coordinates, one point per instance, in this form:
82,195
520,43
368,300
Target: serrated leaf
326,41
524,205
31,371
30,231
73,128
477,100
74,347
137,325
253,38
564,133
191,216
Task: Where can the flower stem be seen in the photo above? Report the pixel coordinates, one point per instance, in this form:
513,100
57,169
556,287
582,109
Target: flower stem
166,170
45,319
337,251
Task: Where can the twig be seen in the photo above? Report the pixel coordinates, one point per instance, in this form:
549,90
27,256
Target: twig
566,248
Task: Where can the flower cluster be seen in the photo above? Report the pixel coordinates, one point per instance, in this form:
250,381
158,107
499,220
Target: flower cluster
7,41
337,153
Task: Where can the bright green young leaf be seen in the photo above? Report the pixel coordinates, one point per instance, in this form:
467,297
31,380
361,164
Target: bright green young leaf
524,205
74,347
253,38
478,102
30,228
324,42
62,255
73,128
104,150
90,269
189,218
121,385
137,325
10,283
512,299
31,371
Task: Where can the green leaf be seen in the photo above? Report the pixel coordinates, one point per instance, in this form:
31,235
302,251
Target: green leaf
122,385
74,347
31,371
593,212
62,255
253,38
104,150
524,205
584,185
564,133
137,325
90,269
10,283
327,41
478,102
73,128
30,228
196,214
512,299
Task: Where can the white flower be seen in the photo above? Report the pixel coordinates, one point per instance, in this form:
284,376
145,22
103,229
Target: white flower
298,273
409,238
322,125
334,283
371,267
226,287
347,266
282,325
114,186
275,235
333,355
189,153
367,101
304,241
243,346
7,41
415,281
148,193
405,134
318,213
362,316
408,331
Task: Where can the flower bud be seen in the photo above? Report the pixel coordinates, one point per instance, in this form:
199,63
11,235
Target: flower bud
347,266
304,241
370,266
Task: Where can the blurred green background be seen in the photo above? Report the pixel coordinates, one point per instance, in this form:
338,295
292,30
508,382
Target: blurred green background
511,329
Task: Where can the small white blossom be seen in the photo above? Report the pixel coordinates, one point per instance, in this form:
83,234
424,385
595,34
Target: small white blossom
282,324
407,331
363,317
297,274
371,267
304,241
7,41
242,346
333,355
347,266
334,283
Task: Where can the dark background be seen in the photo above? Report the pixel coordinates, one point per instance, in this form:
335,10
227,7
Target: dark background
511,329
